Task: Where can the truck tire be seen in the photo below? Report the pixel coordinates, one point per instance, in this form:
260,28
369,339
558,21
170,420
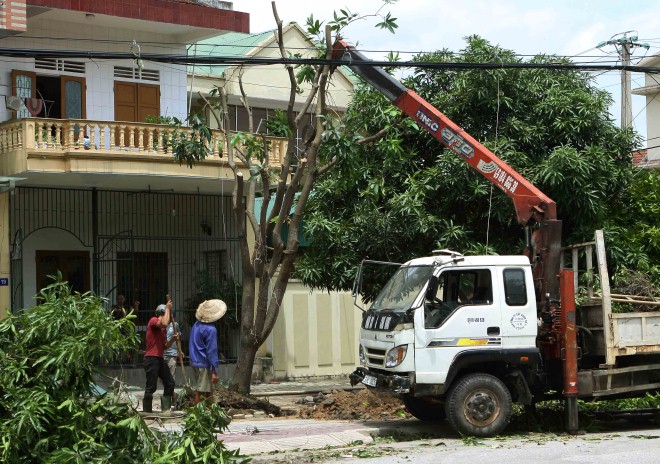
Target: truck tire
424,409
479,405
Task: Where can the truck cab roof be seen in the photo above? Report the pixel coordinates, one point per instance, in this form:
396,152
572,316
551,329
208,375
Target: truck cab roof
480,260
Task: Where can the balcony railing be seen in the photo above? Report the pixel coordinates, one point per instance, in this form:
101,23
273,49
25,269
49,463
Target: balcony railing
37,135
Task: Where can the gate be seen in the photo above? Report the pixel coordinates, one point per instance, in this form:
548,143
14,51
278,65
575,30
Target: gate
17,271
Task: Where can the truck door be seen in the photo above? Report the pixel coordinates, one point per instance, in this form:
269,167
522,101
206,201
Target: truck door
519,325
459,314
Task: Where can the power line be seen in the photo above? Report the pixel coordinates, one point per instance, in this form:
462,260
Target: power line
243,60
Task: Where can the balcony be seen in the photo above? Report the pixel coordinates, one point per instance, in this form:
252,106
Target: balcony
109,154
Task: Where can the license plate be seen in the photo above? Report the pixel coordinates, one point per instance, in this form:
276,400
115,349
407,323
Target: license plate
369,380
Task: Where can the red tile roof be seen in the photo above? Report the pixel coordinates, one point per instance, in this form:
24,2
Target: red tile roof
180,12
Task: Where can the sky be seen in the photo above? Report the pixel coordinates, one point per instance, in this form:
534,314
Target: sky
527,27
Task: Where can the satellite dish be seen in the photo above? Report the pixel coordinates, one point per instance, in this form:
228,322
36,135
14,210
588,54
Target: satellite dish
13,103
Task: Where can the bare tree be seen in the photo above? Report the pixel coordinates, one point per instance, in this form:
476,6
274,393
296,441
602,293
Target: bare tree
267,268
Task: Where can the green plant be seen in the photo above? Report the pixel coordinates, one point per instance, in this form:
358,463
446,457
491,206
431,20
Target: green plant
277,125
49,410
188,144
191,144
228,290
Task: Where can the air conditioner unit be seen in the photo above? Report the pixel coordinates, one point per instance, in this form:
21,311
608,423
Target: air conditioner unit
13,103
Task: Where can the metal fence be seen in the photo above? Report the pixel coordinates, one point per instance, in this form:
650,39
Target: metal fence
144,245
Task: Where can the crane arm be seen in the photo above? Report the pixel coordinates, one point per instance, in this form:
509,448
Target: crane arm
530,203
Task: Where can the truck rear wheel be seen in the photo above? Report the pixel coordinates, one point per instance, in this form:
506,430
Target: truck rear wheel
424,409
479,405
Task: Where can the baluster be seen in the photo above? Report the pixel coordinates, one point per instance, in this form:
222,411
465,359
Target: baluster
19,137
102,136
122,136
131,138
71,143
150,140
39,133
113,129
49,136
92,136
140,139
159,146
58,136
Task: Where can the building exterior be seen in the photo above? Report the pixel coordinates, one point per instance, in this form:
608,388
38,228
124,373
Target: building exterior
88,188
316,333
650,158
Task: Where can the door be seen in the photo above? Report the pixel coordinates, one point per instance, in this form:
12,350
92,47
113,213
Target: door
519,326
72,264
126,101
23,85
461,317
73,91
135,101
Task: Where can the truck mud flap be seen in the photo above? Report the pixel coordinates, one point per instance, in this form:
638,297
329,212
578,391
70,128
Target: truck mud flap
394,383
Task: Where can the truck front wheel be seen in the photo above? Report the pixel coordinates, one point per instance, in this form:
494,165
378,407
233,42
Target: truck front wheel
424,409
479,405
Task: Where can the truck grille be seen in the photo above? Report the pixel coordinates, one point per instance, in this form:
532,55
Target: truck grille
376,356
382,321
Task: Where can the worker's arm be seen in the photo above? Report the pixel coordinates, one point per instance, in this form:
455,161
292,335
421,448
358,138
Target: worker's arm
164,320
212,356
172,340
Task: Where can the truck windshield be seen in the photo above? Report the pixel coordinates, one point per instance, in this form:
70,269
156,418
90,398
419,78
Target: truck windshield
403,287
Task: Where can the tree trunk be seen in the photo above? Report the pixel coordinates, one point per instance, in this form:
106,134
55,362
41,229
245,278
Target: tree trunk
243,375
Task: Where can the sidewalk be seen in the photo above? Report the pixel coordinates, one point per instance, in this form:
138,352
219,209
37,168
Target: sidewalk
301,387
261,434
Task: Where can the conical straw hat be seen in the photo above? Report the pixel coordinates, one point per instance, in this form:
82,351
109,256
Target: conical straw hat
211,310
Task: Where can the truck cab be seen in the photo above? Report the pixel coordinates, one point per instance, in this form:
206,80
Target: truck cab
441,318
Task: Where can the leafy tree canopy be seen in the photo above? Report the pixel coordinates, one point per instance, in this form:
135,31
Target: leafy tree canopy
405,194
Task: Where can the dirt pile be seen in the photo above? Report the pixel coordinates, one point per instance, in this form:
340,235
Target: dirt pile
238,405
349,405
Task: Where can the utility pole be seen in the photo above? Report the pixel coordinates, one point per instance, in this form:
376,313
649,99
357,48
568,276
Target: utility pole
624,46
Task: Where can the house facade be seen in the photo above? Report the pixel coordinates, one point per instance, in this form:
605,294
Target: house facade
650,157
316,333
87,187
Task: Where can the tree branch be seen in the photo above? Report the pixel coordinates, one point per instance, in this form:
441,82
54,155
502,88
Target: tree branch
244,100
375,137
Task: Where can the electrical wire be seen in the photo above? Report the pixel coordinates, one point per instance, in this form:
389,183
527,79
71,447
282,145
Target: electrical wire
243,60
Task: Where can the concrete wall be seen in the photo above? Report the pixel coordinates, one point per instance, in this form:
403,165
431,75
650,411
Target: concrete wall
316,334
652,112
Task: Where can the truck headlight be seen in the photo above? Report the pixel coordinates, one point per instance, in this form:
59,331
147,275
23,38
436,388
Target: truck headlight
363,358
396,355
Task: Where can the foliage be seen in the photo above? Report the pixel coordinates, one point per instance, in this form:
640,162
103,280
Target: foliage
405,195
49,412
227,290
189,144
277,125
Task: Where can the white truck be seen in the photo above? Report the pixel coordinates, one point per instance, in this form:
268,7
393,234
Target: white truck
465,336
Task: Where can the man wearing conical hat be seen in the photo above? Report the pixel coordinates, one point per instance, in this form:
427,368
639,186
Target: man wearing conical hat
204,347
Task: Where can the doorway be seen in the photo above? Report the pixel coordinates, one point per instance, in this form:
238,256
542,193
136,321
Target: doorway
63,97
142,276
72,264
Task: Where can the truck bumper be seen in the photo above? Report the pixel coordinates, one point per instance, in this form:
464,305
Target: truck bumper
390,382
